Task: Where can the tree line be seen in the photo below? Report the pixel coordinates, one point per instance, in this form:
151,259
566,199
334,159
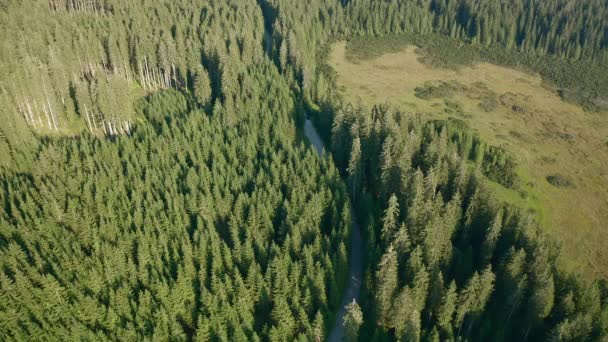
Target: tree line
59,76
556,38
153,184
186,229
82,63
446,261
206,219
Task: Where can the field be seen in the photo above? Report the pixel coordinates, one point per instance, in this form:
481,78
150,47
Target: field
561,149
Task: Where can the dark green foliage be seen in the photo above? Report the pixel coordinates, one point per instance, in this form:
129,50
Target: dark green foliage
573,29
193,224
202,86
82,63
560,181
499,166
439,90
564,40
184,229
195,214
454,263
494,162
60,77
581,81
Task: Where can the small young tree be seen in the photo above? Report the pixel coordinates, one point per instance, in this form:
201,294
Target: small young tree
354,165
352,321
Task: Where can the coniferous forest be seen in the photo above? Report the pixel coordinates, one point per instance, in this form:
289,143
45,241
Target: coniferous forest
156,182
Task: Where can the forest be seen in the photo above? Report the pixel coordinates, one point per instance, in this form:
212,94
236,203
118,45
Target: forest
156,182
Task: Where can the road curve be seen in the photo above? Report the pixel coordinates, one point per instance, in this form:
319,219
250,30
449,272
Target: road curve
355,272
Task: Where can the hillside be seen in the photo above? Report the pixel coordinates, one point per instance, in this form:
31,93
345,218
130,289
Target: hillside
230,171
519,111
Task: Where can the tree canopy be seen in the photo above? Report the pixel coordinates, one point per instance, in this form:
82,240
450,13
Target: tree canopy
155,183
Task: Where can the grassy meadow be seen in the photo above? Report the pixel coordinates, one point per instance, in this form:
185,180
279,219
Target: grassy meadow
561,149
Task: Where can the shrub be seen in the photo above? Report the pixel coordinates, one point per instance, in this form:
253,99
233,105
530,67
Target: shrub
560,181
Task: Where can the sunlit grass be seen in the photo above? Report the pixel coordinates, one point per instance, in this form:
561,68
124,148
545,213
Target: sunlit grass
546,135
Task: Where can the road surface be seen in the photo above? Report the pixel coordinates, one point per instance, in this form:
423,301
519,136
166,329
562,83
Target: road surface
355,272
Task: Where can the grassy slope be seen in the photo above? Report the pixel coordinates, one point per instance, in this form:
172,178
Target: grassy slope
547,135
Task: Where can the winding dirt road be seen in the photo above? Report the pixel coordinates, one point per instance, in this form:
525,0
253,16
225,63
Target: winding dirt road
355,272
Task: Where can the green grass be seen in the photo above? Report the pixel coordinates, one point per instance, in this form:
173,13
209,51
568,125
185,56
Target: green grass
525,196
508,107
581,81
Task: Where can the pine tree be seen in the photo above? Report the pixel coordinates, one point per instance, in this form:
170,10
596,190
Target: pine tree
492,236
386,164
354,166
202,86
386,280
515,280
447,309
406,318
542,290
352,322
473,298
401,240
390,220
318,327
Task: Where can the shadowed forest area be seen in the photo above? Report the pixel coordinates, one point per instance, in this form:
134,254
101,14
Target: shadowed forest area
559,163
156,181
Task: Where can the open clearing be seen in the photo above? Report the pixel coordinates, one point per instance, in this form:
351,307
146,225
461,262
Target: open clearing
562,151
